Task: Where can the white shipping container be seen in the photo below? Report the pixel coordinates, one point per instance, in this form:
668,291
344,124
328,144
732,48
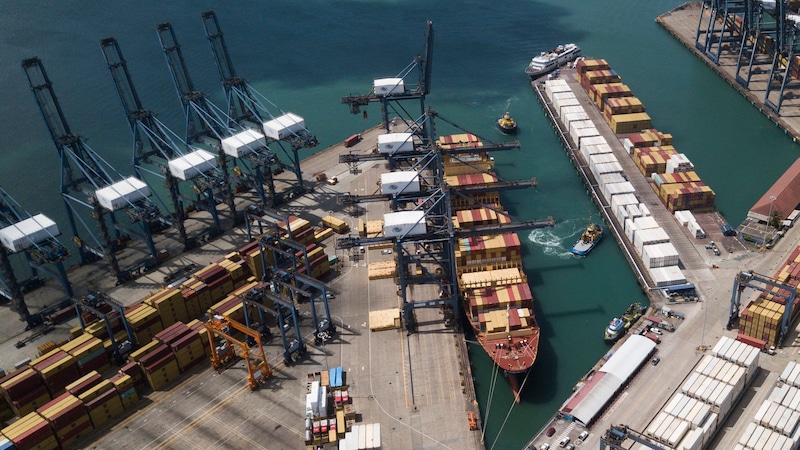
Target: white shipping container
645,223
395,142
122,193
662,429
192,164
695,230
388,86
627,145
611,177
787,399
684,407
678,433
284,126
787,371
709,428
667,276
563,99
771,440
404,223
571,109
752,438
633,211
795,405
594,140
621,213
692,441
28,232
566,103
750,361
625,188
778,393
644,209
606,168
650,236
762,412
243,143
700,415
602,158
576,120
401,181
556,85
656,424
679,163
630,229
672,405
619,201
376,435
689,382
369,443
723,346
583,133
681,217
795,376
660,255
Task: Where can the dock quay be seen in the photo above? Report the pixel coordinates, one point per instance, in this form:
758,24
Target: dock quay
650,387
682,22
418,386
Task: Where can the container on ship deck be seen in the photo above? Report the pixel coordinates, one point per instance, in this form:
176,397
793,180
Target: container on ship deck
649,138
621,105
599,93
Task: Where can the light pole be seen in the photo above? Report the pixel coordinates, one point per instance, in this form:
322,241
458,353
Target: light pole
769,217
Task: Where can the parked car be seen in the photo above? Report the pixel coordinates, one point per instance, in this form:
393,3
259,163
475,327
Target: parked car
655,361
584,434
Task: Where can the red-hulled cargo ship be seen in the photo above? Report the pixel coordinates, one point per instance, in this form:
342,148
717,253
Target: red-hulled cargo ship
499,306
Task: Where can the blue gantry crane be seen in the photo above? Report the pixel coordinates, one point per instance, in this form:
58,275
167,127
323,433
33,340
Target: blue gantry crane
88,182
246,105
762,35
205,123
158,151
616,435
389,92
35,237
761,283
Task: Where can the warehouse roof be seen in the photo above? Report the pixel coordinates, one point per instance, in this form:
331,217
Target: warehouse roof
786,192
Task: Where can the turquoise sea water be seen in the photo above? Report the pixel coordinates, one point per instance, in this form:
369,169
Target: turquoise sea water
304,56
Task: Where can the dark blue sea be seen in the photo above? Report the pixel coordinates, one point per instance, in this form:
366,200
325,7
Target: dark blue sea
304,56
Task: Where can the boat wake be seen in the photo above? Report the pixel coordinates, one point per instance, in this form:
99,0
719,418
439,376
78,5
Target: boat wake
555,241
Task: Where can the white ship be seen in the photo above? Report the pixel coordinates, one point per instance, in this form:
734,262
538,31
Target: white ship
549,61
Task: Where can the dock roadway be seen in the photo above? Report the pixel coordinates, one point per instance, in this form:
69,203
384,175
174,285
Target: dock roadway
418,387
713,276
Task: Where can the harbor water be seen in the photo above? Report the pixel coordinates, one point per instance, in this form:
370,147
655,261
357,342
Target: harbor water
304,56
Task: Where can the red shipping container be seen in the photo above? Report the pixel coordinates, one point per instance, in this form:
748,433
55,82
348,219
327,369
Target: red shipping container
33,436
156,365
85,385
101,399
155,355
64,416
21,383
184,341
79,430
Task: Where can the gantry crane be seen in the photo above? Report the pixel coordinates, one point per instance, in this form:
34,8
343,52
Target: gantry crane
41,249
108,310
397,90
266,299
763,36
223,355
155,145
617,434
749,279
247,106
205,123
87,179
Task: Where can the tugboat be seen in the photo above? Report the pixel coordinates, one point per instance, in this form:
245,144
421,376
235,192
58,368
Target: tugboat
507,124
588,240
620,325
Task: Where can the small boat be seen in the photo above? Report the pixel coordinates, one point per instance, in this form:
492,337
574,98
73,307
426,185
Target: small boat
620,325
507,124
549,61
588,240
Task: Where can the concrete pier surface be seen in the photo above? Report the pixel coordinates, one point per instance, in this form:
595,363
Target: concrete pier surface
417,386
705,320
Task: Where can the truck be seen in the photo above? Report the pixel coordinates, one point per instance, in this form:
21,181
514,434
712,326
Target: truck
660,323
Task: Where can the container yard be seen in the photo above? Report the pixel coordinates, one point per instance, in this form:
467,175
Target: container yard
280,301
662,215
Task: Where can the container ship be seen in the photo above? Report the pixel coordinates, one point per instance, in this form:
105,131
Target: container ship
498,302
